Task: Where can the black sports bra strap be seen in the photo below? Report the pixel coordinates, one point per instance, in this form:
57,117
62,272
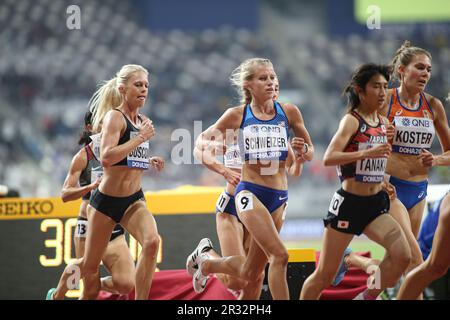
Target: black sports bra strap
121,113
128,120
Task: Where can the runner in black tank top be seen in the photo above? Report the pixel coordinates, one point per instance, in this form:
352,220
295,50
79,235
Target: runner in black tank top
86,169
119,197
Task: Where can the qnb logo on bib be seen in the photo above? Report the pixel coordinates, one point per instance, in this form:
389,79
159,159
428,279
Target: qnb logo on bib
412,135
370,170
139,157
266,142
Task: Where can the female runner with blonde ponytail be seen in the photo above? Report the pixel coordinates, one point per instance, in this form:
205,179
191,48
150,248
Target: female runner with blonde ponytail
124,155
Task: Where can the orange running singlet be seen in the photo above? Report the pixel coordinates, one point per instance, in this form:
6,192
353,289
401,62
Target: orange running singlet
414,128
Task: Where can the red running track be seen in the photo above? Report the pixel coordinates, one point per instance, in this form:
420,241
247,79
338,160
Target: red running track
177,285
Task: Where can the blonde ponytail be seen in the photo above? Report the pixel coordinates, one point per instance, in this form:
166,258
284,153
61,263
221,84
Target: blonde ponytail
106,97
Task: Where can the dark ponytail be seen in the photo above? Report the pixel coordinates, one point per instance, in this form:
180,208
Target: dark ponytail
85,135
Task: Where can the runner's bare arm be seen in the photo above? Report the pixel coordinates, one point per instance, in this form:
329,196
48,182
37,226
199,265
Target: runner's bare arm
71,189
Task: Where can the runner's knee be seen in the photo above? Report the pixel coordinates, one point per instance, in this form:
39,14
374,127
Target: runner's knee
398,249
150,245
280,257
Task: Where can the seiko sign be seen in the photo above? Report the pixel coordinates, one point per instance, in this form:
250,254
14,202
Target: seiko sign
24,208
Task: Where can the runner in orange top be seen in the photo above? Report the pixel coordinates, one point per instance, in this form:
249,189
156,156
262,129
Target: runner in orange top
417,117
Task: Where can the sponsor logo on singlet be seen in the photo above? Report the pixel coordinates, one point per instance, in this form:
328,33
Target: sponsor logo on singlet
363,128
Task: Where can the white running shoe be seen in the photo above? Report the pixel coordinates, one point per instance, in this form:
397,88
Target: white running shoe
199,280
191,262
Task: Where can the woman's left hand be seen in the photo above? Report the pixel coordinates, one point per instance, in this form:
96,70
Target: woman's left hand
298,145
427,159
390,132
157,163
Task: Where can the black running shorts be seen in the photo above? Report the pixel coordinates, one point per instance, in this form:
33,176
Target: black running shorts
350,213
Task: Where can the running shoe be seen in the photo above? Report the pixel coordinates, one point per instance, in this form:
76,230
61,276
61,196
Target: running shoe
342,268
50,294
203,246
199,280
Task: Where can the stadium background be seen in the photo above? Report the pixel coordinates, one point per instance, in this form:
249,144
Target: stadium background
48,73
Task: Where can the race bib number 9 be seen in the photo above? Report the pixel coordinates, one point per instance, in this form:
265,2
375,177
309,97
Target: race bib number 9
139,157
244,201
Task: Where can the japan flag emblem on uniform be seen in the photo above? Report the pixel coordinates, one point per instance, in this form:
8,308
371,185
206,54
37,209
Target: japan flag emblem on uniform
343,224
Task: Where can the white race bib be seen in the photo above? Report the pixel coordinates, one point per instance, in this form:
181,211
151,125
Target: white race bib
335,203
139,157
370,170
244,201
96,138
264,141
222,202
96,172
412,134
81,229
232,157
